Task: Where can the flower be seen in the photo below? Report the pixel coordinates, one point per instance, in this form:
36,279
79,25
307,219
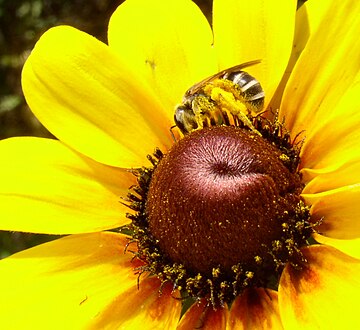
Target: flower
110,106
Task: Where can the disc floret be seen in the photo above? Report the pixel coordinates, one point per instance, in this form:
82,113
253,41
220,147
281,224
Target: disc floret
220,212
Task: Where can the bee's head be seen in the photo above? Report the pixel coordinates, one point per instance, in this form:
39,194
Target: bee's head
184,118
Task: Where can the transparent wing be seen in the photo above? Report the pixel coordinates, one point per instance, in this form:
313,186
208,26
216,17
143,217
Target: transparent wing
194,89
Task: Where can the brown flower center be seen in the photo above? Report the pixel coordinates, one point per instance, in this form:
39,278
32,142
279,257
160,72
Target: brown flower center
220,197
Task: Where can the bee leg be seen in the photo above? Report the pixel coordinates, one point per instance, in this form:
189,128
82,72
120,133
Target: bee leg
172,133
226,118
226,100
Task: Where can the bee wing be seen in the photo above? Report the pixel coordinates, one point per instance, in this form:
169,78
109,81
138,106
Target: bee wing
194,89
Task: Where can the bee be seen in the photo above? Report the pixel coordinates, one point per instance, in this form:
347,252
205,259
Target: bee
228,97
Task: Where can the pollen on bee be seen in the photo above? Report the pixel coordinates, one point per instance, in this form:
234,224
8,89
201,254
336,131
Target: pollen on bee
231,102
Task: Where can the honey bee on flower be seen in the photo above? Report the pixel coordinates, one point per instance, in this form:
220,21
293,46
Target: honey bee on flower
222,228
230,96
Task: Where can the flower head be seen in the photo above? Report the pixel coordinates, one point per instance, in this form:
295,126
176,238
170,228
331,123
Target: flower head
218,228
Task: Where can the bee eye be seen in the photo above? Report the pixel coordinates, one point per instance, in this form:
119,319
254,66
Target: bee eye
184,118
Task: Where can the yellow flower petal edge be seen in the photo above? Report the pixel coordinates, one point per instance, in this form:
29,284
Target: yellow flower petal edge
308,18
332,177
324,294
322,148
251,30
202,316
301,36
349,246
255,309
170,43
142,308
315,11
327,67
339,208
66,283
48,188
82,92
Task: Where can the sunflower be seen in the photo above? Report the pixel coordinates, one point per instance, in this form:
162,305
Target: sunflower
272,241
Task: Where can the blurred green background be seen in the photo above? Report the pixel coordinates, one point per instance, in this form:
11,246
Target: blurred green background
21,25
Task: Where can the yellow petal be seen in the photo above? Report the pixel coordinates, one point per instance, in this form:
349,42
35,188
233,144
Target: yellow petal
315,11
339,210
141,308
73,282
88,98
48,188
170,43
255,309
202,316
350,247
301,36
334,176
251,30
308,18
334,143
327,67
323,294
